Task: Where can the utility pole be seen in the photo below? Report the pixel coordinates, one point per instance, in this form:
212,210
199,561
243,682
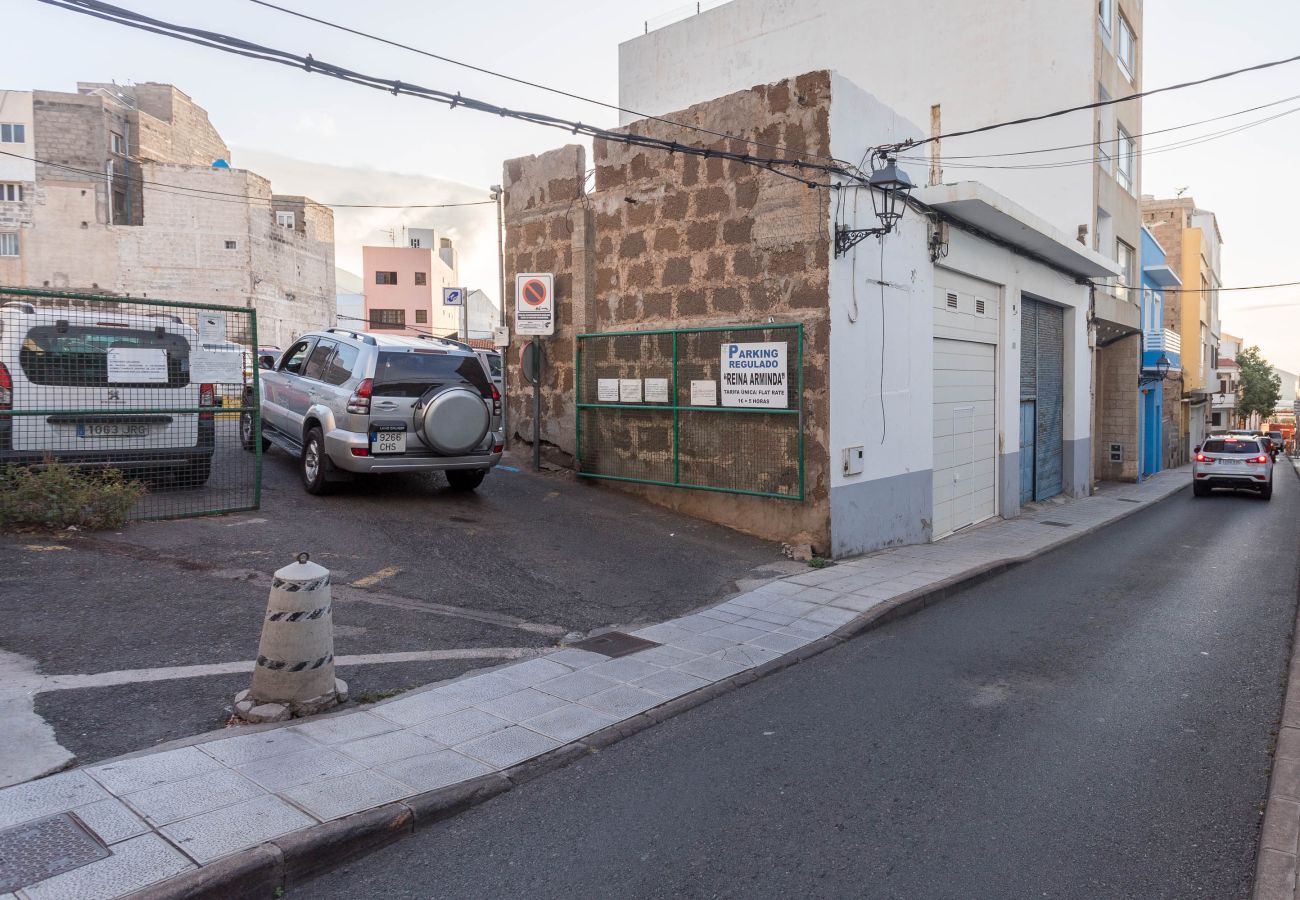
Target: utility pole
498,194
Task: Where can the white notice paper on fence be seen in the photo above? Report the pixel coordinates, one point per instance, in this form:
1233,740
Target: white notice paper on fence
704,393
133,365
755,375
629,390
216,366
212,328
607,390
656,390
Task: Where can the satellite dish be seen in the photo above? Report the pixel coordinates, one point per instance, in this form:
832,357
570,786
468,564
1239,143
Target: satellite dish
220,164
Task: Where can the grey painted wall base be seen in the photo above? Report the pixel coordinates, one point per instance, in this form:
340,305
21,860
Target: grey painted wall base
1074,467
1009,484
882,512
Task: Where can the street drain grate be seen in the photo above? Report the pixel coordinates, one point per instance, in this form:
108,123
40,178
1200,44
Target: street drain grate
1058,524
614,644
35,851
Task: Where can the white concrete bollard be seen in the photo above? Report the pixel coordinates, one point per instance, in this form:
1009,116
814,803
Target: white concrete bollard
294,674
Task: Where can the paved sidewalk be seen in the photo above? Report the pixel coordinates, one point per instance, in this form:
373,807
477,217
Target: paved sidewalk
290,788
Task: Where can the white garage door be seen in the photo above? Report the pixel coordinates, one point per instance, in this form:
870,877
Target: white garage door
965,442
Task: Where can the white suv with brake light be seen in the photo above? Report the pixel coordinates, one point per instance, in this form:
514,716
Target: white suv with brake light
60,374
1231,461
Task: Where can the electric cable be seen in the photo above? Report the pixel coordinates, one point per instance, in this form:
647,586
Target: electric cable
533,84
1137,95
240,47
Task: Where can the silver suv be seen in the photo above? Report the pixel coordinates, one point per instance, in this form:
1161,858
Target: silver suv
355,402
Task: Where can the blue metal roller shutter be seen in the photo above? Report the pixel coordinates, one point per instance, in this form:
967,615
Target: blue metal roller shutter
1042,383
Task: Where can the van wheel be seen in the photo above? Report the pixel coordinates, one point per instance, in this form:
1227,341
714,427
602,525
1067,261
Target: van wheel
314,462
1200,490
246,433
465,479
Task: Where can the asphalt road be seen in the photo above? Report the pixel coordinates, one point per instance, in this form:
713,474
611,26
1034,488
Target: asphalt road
1095,723
519,563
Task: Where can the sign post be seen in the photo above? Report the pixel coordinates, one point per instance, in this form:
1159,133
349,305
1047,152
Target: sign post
535,316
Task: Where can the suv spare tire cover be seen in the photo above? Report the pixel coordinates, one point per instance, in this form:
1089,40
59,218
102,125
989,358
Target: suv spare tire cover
453,421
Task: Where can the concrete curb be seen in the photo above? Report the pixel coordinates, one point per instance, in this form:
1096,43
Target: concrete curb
1279,835
290,861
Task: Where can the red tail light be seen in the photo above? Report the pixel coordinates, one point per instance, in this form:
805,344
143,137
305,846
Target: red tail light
359,402
1261,459
207,397
6,389
1200,457
496,401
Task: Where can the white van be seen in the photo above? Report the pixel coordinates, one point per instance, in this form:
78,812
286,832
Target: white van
98,388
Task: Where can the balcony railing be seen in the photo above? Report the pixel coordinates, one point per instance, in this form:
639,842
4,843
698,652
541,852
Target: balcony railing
1162,343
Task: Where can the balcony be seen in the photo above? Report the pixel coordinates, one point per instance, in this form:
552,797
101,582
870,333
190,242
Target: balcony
1163,342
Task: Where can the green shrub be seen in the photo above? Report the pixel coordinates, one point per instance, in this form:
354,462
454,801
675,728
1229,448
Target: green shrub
56,496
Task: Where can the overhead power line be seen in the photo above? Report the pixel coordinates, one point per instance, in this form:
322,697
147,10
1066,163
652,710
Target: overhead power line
1138,95
1218,290
532,84
785,167
230,196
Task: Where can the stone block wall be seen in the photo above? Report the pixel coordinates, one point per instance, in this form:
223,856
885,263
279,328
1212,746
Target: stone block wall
677,241
1117,399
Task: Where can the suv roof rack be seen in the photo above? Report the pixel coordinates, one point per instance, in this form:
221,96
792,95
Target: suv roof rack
359,335
445,340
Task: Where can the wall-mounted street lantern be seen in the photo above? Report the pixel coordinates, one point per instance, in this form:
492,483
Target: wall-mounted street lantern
1162,371
890,188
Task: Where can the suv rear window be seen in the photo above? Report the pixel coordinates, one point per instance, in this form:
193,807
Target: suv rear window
411,374
77,355
1221,446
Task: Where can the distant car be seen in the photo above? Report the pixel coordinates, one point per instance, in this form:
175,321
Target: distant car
1278,440
1230,461
492,362
356,402
68,364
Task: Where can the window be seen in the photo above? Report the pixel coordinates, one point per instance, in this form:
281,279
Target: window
319,360
415,242
385,278
284,218
1230,445
232,245
421,278
1223,388
1105,13
8,244
70,355
11,133
1125,256
118,145
1126,51
293,360
411,374
421,317
1125,165
1217,420
340,365
11,192
388,318
1105,130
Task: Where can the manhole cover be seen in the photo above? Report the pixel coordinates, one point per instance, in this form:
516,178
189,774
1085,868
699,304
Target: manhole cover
614,644
37,850
1058,524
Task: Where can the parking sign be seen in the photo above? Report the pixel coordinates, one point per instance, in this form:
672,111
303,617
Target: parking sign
535,303
453,296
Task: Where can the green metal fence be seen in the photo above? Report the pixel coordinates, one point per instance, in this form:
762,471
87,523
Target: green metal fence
163,392
663,407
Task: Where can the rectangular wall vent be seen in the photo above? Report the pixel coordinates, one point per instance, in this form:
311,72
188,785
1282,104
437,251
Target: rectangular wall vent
979,306
952,301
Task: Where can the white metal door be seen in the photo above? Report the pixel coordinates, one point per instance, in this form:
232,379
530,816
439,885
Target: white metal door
965,441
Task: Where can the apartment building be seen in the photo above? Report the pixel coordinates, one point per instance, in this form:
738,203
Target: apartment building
403,284
1193,244
1223,405
952,65
128,189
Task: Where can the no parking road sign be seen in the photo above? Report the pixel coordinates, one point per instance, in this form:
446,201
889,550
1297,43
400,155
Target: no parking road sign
535,303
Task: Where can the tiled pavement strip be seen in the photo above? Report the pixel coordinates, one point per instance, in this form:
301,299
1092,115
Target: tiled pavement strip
166,812
1279,838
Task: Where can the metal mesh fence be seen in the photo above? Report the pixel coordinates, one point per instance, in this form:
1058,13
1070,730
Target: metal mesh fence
164,393
662,407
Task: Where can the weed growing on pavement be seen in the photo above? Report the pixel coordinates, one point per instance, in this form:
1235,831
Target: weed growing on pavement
56,496
376,696
818,562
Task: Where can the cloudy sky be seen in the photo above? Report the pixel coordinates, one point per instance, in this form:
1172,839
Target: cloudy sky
343,143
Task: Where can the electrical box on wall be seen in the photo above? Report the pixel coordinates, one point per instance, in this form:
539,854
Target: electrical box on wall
853,461
1116,452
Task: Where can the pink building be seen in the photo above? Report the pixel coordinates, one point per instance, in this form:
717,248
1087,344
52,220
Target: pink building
403,285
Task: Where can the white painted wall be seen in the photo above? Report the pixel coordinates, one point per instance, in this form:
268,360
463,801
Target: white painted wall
16,108
983,62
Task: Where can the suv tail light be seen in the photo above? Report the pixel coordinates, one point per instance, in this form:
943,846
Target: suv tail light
496,401
1261,459
359,402
1200,457
207,397
6,389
